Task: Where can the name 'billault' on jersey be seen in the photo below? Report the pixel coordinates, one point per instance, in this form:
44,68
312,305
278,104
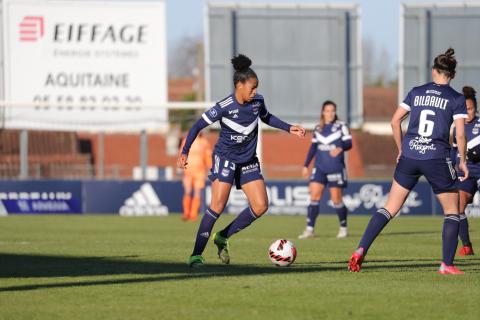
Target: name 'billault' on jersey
331,136
433,108
239,127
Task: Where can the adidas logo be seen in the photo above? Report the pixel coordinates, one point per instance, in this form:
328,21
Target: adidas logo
205,234
144,202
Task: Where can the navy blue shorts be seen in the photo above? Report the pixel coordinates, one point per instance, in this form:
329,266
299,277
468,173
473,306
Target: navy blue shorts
470,185
439,173
234,173
333,180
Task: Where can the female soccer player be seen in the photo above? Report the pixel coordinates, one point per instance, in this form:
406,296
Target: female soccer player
469,186
234,158
330,139
199,161
425,150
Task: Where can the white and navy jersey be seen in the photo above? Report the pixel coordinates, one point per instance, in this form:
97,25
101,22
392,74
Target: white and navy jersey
472,135
239,127
324,140
433,108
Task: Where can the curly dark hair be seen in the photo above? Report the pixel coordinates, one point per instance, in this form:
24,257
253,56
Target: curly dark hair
470,93
243,72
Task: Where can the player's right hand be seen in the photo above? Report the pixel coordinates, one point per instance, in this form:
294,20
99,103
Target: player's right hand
463,166
182,161
305,172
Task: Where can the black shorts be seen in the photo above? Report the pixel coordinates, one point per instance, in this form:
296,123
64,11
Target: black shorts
332,180
470,185
440,173
239,173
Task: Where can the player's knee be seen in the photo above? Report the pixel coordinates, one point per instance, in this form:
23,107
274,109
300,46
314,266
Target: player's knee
260,208
337,204
217,207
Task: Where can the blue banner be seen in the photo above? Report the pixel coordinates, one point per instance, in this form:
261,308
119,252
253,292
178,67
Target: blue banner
361,197
133,198
157,198
27,197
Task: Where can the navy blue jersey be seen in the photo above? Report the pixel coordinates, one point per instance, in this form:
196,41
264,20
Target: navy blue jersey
333,135
433,108
239,127
472,130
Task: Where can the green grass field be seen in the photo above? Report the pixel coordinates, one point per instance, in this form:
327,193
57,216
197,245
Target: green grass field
109,267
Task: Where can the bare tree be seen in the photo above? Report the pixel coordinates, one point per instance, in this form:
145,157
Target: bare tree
377,66
183,57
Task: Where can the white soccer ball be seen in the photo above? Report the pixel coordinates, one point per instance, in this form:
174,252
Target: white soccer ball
282,253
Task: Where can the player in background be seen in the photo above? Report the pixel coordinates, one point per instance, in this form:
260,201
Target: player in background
194,176
331,138
234,158
425,150
469,187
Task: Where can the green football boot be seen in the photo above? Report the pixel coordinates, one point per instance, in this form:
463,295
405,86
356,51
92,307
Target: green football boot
223,247
195,261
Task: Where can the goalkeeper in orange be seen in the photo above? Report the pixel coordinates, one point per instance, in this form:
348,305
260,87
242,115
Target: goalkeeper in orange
195,174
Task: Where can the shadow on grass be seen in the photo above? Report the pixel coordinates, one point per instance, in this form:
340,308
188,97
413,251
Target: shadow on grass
33,266
408,233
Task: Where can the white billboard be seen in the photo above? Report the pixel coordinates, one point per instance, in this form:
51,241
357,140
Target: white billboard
85,54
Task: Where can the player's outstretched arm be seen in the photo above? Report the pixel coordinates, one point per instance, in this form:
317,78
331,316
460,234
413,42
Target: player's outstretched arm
192,134
297,130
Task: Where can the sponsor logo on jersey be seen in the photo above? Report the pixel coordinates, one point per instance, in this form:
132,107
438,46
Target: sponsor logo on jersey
233,111
326,147
433,92
144,202
475,130
421,144
241,138
250,168
335,177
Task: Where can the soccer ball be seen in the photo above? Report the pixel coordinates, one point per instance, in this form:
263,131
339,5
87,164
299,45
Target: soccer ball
282,253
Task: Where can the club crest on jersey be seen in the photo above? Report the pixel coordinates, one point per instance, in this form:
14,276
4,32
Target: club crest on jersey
225,172
212,112
255,107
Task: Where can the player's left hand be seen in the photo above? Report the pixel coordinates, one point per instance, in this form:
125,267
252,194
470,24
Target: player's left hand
182,161
463,166
297,130
335,152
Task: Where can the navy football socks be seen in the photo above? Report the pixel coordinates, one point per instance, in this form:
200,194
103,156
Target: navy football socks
342,214
243,220
463,230
378,221
312,213
450,238
204,230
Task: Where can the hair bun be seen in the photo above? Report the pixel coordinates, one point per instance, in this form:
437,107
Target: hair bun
450,52
241,62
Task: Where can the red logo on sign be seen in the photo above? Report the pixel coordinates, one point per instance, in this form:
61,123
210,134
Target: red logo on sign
31,28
